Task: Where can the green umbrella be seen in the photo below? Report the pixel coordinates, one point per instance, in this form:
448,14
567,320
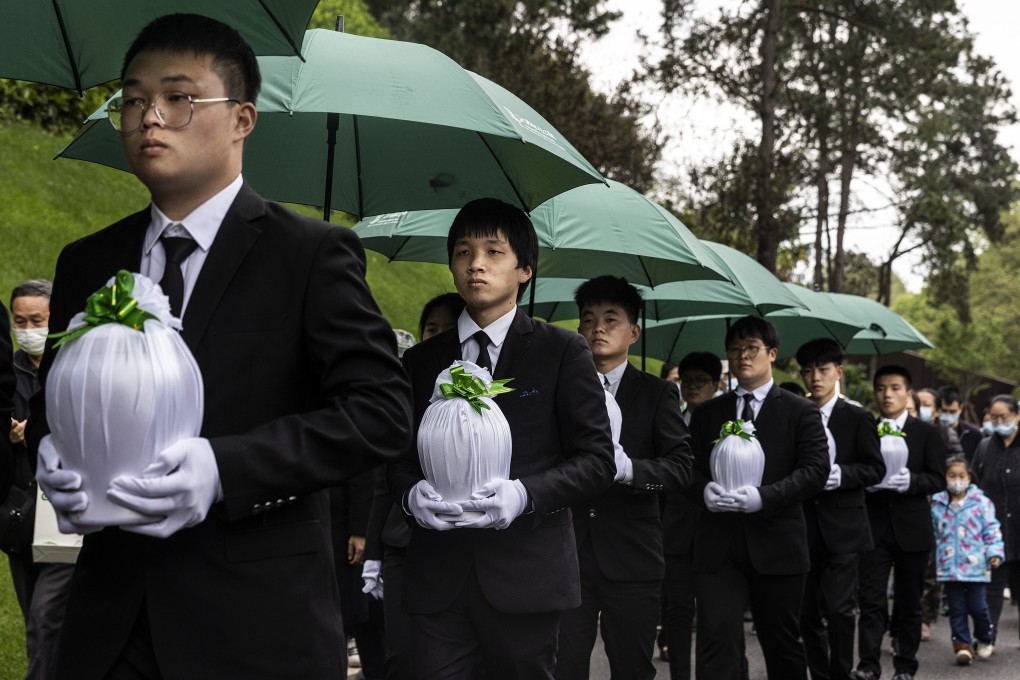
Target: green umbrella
751,289
386,126
884,330
585,232
818,317
77,44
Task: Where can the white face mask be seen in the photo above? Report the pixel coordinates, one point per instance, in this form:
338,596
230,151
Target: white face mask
32,340
956,487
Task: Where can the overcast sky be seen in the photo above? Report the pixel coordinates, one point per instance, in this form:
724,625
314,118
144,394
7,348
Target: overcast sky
698,129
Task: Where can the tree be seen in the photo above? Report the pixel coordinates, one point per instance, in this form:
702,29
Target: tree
512,44
358,20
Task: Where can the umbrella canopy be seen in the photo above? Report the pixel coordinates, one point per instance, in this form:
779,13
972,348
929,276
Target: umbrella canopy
884,330
372,126
76,45
585,232
751,289
817,317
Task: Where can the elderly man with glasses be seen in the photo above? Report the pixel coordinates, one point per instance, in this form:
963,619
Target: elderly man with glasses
750,545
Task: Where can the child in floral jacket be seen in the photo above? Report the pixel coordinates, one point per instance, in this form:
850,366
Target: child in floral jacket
968,547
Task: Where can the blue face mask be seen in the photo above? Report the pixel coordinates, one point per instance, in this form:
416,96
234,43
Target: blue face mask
949,419
987,428
1005,429
924,413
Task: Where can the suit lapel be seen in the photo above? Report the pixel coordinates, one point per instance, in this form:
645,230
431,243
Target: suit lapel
516,344
628,387
233,240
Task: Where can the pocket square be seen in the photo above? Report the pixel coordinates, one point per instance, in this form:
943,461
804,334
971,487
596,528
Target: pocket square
531,392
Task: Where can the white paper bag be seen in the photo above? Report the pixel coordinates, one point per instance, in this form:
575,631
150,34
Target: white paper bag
737,459
461,447
117,396
48,544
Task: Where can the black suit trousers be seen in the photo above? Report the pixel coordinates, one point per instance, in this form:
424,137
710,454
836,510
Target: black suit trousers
775,601
395,617
628,612
827,620
680,610
447,645
908,580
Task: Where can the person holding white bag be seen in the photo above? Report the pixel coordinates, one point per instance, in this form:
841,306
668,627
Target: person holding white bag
900,518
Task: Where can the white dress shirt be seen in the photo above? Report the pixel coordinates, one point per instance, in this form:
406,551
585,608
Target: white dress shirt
202,225
759,393
497,330
611,379
826,411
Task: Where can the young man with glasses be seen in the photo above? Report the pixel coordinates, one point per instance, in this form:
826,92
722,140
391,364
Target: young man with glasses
303,390
750,545
619,533
836,519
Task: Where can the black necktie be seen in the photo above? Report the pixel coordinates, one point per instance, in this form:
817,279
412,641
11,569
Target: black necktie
483,350
747,415
177,249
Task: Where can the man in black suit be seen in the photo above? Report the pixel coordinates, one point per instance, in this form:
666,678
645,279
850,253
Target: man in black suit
751,544
472,591
837,521
303,390
619,532
900,517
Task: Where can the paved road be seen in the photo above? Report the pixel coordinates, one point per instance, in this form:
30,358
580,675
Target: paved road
936,658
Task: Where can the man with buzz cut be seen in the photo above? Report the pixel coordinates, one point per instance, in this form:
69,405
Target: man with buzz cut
750,545
900,516
490,591
619,532
837,521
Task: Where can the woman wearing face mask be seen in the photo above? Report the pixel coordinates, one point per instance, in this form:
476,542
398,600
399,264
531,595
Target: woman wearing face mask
997,470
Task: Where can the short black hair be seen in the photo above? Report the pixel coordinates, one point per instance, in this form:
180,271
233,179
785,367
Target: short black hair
948,394
32,288
1006,399
818,352
790,386
701,361
959,459
893,369
451,301
490,216
613,290
233,59
750,327
667,367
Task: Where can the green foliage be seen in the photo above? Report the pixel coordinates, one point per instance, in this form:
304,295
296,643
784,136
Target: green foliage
52,108
358,20
12,628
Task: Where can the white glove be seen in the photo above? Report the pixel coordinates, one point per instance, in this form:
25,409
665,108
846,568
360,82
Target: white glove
624,466
373,580
502,501
717,500
835,477
747,499
62,488
180,486
900,481
424,503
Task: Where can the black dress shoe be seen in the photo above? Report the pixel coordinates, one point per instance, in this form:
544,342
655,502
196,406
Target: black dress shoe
861,674
903,675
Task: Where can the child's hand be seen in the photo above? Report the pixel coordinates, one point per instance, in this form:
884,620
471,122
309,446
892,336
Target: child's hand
995,562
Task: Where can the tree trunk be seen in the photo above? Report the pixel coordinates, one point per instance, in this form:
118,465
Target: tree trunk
768,230
848,162
822,220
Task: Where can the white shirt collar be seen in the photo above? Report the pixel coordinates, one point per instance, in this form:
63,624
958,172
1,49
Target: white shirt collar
202,223
899,421
827,407
616,374
497,330
759,392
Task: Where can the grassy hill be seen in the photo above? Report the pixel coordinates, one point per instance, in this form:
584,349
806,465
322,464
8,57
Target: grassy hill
49,203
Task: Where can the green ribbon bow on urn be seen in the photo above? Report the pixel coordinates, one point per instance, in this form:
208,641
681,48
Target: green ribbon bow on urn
110,304
886,428
734,428
468,387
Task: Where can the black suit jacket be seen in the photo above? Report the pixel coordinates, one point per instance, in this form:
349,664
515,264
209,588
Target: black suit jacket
562,453
623,523
790,430
838,518
7,385
303,390
908,515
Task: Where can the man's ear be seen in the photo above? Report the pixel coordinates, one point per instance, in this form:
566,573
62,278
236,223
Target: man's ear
246,116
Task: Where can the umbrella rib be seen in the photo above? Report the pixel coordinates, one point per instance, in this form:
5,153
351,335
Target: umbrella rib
290,41
67,48
513,186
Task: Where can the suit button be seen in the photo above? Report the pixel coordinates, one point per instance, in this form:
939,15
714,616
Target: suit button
591,513
292,499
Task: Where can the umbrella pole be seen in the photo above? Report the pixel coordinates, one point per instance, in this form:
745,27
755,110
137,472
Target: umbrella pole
644,333
332,125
